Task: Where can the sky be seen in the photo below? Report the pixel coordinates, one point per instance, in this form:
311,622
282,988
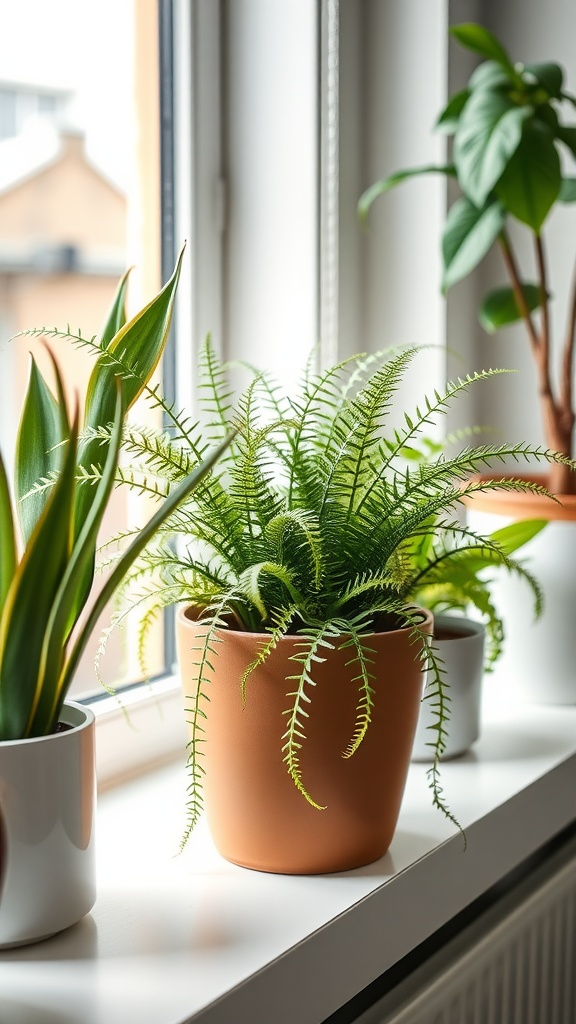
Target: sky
83,45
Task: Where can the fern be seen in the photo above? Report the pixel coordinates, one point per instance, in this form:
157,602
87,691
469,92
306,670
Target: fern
321,519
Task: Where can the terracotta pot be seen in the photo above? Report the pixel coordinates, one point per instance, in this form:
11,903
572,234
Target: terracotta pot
47,812
460,645
256,815
539,656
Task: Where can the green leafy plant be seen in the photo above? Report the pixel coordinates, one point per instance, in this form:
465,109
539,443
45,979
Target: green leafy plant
453,573
447,576
302,526
508,140
47,567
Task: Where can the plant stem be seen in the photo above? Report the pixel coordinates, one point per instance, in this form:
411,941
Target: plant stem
557,417
567,365
518,292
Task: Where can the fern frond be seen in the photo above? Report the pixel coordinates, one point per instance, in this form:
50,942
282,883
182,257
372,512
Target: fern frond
365,690
214,393
281,623
305,523
312,643
196,713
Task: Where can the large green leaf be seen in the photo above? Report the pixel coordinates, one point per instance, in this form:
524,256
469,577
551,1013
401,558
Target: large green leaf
490,75
567,135
515,535
500,308
38,454
567,192
448,119
480,40
379,187
531,182
30,598
468,234
488,134
8,556
550,76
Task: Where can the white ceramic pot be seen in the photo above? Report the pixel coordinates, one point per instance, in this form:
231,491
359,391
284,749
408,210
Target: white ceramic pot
460,644
538,663
47,814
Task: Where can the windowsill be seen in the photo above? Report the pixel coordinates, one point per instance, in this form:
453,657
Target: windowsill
173,939
138,730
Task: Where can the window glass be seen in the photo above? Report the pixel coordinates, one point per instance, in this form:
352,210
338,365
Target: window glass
78,204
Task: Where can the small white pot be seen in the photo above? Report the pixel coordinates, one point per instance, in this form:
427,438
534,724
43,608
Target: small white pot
47,814
460,644
539,656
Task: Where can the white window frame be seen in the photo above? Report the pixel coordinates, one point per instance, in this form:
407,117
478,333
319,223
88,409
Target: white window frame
335,118
145,724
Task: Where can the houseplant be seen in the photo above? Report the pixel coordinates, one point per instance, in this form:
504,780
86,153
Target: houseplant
510,140
286,562
47,615
454,579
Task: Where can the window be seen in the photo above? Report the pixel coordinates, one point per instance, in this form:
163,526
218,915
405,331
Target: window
79,203
253,146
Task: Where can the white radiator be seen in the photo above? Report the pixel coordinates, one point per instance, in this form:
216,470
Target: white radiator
516,964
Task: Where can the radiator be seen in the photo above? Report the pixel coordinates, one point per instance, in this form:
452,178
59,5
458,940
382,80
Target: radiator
514,965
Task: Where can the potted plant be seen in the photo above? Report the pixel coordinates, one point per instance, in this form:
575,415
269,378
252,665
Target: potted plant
453,577
47,614
301,661
510,140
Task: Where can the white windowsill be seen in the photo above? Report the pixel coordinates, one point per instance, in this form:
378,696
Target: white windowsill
138,730
193,938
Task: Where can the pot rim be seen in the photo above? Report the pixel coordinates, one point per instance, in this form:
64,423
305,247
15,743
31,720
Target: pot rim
466,627
183,618
86,723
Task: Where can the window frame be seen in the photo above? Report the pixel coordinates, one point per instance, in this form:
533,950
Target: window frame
143,724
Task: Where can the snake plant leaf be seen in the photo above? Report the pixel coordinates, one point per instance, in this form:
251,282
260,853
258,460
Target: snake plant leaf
567,192
385,184
38,454
117,314
500,307
530,183
68,603
137,347
8,557
468,235
30,598
550,76
134,353
170,504
479,40
489,133
139,344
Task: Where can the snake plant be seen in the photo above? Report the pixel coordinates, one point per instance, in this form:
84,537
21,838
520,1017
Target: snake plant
47,559
304,524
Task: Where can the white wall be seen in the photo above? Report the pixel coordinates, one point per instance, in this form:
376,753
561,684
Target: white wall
271,171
